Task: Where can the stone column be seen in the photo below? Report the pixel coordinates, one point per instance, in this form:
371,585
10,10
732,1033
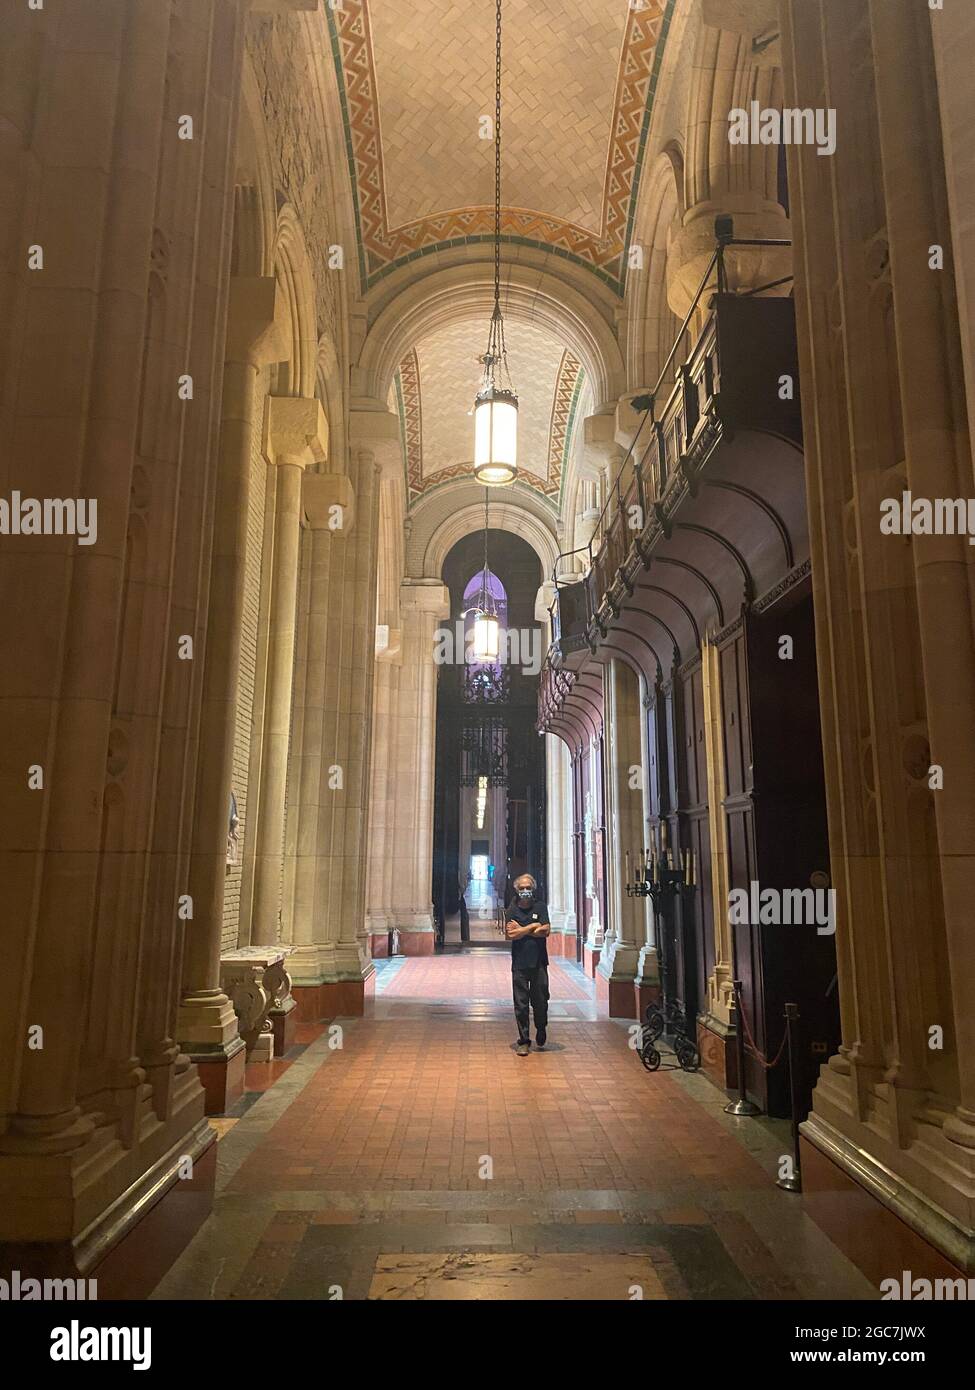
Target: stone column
331,965
596,929
207,1024
720,991
558,827
938,456
423,606
647,982
877,330
296,435
99,689
380,920
625,933
953,34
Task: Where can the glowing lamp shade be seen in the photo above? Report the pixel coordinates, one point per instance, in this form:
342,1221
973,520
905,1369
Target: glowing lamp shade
485,638
496,437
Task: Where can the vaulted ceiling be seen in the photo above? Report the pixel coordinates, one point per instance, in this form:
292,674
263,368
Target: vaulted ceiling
416,82
578,81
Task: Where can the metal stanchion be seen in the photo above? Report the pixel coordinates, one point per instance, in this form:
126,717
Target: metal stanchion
794,1182
741,1106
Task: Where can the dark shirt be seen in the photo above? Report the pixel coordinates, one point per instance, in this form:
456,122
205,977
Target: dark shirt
528,951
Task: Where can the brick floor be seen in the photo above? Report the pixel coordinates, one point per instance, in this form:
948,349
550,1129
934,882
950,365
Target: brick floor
423,1159
481,976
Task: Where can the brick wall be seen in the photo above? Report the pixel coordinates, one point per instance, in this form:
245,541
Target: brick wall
248,663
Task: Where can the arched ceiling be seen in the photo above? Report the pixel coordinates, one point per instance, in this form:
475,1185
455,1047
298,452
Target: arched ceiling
434,392
579,78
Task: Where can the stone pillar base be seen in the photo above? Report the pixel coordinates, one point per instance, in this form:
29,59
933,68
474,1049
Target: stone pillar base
413,942
590,960
645,992
874,1238
334,999
136,1240
284,1025
615,998
379,943
221,1073
719,1060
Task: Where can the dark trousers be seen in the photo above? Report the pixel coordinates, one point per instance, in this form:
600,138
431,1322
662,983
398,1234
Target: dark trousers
530,987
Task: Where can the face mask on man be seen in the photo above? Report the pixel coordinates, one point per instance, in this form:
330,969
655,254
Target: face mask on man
525,895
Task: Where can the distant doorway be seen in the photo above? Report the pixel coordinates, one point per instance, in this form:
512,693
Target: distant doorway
489,801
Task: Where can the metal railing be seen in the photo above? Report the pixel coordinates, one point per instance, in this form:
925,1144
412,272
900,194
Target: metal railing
607,547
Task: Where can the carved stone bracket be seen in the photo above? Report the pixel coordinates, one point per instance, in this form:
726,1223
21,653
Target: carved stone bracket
256,981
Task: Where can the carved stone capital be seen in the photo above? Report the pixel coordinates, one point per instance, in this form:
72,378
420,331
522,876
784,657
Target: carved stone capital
377,431
329,502
422,597
544,599
747,267
600,445
295,430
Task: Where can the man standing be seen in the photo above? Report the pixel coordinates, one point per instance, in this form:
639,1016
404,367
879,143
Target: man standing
526,929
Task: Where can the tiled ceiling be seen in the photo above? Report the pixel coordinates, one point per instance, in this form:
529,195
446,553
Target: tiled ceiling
578,81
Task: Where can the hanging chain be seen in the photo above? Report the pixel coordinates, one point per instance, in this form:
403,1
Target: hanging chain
484,572
495,354
497,164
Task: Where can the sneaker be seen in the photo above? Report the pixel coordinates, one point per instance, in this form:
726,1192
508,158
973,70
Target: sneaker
540,1041
524,1049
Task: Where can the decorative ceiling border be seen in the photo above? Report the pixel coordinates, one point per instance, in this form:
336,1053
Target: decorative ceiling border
567,387
411,420
383,249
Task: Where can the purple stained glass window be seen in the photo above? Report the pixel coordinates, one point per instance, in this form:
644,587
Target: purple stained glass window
486,674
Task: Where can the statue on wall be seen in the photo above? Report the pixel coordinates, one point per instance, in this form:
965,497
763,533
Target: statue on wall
232,836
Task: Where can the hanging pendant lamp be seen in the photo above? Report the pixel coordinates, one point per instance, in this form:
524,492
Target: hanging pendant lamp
486,626
496,404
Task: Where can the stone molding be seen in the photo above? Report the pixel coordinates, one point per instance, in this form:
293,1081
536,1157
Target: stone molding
295,430
320,492
256,981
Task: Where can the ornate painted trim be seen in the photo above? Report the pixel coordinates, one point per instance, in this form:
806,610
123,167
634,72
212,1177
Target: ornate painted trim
411,418
567,388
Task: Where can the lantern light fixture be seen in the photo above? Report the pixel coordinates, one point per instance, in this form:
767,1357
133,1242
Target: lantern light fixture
487,629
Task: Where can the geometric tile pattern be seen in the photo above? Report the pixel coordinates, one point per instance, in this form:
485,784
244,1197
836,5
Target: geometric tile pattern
567,389
411,418
597,160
